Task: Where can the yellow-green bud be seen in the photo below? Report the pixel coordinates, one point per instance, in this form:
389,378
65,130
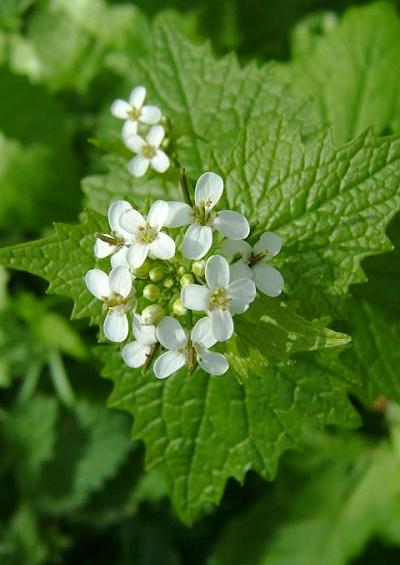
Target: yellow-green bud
157,274
169,283
198,268
152,314
181,271
178,308
151,292
143,271
186,279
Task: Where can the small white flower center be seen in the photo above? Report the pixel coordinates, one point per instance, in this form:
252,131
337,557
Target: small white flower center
219,298
148,151
146,234
134,113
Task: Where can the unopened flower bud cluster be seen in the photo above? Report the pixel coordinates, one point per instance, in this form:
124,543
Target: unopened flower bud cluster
180,273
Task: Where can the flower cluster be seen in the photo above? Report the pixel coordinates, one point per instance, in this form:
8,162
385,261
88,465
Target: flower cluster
142,133
180,273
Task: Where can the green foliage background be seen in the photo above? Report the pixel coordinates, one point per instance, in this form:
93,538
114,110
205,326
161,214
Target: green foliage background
324,171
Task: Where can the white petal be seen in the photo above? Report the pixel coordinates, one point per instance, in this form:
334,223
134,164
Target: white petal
137,255
155,135
195,297
138,166
222,324
134,354
163,247
137,96
231,224
231,247
146,335
131,220
120,280
242,292
241,270
116,326
217,272
135,143
103,249
98,284
213,363
197,241
119,258
115,211
208,190
129,129
179,214
270,242
120,109
168,363
160,161
158,214
150,115
268,279
170,333
202,333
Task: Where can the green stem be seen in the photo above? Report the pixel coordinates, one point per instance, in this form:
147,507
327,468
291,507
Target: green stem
185,186
60,379
30,382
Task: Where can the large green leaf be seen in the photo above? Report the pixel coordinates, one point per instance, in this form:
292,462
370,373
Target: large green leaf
330,204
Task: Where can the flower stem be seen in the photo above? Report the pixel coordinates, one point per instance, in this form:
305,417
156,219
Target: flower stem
184,186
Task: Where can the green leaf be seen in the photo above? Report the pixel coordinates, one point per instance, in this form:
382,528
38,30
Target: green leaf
342,493
199,431
92,443
330,205
62,259
207,100
351,71
276,329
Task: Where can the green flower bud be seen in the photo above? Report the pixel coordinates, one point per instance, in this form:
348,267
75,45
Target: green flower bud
181,271
178,308
143,271
157,274
152,314
151,292
186,279
169,282
198,268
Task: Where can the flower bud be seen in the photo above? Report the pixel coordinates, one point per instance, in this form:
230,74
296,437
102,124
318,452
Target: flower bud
186,279
178,308
151,292
169,282
198,268
157,273
181,271
143,271
152,314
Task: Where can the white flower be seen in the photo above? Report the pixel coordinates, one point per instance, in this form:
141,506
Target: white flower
116,243
148,152
135,112
147,235
220,298
135,353
113,290
173,337
252,262
198,237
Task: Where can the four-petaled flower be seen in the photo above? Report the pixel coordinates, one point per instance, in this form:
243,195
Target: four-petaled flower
148,152
183,349
113,290
220,298
136,352
147,235
198,237
134,112
114,244
252,262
